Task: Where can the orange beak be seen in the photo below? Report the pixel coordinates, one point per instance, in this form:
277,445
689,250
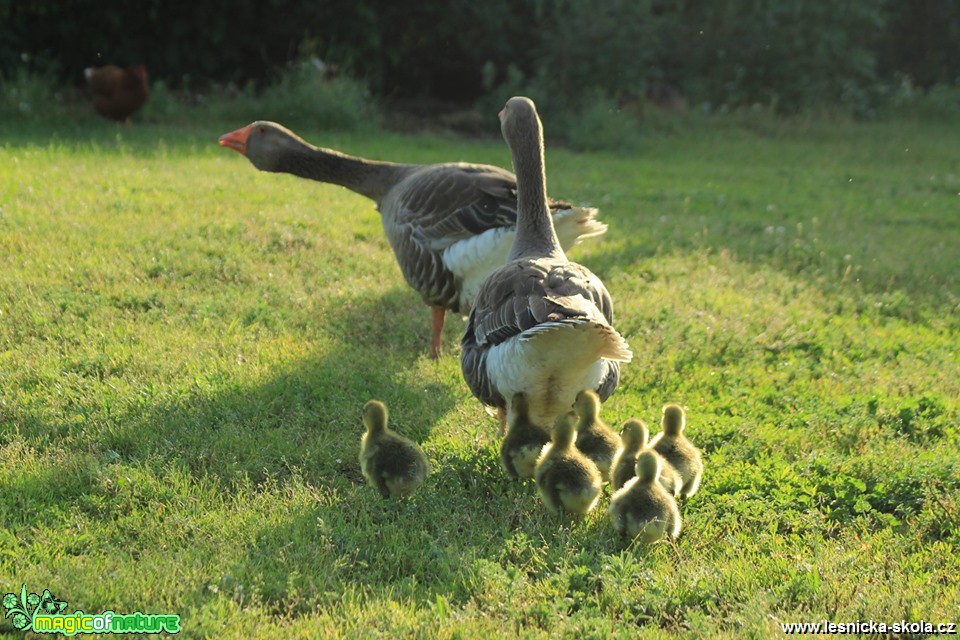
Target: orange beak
236,140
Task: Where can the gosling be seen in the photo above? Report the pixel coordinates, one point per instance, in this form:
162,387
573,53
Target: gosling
395,465
568,481
642,509
634,436
524,441
595,439
677,450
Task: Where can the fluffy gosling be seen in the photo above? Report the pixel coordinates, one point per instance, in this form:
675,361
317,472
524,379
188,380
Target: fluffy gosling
524,441
643,509
568,481
634,436
677,450
595,439
395,465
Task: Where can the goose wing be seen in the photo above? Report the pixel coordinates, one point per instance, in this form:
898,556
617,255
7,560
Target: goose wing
525,293
450,202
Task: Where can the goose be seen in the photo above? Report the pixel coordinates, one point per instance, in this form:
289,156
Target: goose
394,465
524,441
677,450
643,509
634,437
450,225
540,325
595,439
568,481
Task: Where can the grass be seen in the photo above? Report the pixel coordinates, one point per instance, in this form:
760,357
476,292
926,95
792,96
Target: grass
186,343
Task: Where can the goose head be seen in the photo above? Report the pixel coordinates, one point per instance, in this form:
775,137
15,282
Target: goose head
674,419
264,143
519,121
375,416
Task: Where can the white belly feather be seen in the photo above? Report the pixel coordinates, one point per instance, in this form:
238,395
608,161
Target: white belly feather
552,362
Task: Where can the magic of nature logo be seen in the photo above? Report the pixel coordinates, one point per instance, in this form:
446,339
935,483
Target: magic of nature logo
44,613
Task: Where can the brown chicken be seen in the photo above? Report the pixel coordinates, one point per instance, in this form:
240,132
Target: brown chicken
118,92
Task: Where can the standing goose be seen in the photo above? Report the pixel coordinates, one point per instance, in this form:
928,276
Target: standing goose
634,437
541,324
595,439
450,225
643,507
678,450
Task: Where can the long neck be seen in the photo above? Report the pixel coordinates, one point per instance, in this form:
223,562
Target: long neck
536,237
367,177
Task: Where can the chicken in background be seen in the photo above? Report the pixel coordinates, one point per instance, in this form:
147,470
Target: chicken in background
118,92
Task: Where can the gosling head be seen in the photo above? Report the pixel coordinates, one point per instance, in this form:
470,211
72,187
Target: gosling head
634,435
674,419
375,416
648,467
565,430
587,406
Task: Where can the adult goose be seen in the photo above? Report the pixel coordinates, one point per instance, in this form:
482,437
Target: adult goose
541,325
450,225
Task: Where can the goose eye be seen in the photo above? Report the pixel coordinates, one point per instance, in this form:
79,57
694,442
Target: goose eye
261,129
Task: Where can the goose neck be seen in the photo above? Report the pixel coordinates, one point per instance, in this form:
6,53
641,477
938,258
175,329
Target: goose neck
536,236
368,178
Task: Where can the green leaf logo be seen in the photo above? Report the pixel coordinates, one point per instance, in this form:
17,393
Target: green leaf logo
21,610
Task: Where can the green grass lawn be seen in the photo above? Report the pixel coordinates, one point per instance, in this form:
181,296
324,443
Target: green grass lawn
186,344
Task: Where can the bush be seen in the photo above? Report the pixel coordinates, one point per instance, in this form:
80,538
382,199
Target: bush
786,55
301,97
601,125
26,95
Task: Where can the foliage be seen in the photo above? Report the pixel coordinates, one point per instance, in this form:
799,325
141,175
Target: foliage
788,55
185,44
186,344
301,96
28,95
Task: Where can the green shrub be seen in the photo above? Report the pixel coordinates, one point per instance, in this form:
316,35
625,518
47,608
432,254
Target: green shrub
601,125
301,96
26,95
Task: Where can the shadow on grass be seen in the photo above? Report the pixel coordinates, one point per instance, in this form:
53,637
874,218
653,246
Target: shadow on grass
470,534
304,416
